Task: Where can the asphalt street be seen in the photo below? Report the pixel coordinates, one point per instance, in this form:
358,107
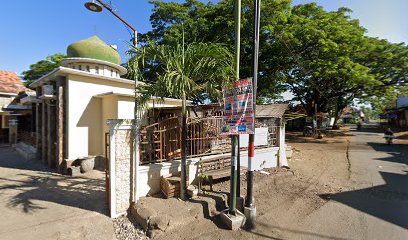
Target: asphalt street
379,176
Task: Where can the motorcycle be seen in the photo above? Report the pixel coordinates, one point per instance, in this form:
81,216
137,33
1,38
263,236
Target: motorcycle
307,131
359,126
388,139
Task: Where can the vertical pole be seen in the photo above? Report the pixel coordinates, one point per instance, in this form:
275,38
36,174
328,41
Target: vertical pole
233,184
238,169
250,210
49,133
183,186
136,156
60,127
183,189
38,129
317,125
44,132
283,162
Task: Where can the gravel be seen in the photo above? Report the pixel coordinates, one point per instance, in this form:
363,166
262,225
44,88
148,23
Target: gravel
126,228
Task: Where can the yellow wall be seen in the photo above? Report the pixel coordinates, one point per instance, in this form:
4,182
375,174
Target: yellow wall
86,114
109,111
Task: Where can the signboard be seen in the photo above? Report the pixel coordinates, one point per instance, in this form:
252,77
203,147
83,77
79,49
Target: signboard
261,138
238,108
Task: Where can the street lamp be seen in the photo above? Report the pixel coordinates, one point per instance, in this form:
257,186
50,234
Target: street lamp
95,7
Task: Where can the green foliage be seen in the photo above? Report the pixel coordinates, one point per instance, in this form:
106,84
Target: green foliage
42,67
323,57
214,23
181,71
387,99
177,71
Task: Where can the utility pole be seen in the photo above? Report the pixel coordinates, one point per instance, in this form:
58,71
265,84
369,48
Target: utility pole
234,138
95,7
250,209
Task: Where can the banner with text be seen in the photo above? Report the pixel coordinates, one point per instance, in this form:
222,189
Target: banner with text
238,108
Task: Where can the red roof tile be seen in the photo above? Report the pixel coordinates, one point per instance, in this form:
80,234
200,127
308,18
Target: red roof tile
11,83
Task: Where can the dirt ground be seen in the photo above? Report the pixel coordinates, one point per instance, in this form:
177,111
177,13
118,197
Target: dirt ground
282,197
325,195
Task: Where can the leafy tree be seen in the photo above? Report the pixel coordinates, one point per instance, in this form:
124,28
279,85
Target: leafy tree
320,50
330,62
182,72
42,67
214,23
386,100
323,57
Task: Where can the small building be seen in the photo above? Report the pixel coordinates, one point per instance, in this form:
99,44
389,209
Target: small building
402,111
76,100
397,116
11,109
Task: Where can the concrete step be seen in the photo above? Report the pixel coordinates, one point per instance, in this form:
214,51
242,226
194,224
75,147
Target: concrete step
26,151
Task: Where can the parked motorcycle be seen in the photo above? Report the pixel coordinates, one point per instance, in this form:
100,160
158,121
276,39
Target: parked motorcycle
307,131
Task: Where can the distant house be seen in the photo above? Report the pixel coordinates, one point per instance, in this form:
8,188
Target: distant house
402,111
348,115
397,115
11,91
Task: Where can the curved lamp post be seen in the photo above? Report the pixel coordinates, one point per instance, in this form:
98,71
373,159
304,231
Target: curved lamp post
98,7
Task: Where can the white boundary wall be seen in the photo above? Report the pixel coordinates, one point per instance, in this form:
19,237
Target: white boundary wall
121,169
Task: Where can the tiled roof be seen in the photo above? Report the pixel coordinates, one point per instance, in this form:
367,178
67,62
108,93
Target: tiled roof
11,83
271,110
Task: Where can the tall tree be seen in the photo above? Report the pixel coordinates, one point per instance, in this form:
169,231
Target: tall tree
182,72
323,57
214,23
42,67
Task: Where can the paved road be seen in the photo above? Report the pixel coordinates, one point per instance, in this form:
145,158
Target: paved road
374,205
379,172
38,204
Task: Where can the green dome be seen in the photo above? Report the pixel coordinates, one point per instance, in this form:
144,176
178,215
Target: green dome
93,48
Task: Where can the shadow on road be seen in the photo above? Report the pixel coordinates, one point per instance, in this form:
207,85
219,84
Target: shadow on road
398,152
35,182
388,201
84,193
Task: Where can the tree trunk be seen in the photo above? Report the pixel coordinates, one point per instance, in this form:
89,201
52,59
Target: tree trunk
336,118
183,187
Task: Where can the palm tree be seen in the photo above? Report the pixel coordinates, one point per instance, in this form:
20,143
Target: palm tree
184,72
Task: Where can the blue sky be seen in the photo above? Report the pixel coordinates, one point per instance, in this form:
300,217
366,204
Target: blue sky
32,29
